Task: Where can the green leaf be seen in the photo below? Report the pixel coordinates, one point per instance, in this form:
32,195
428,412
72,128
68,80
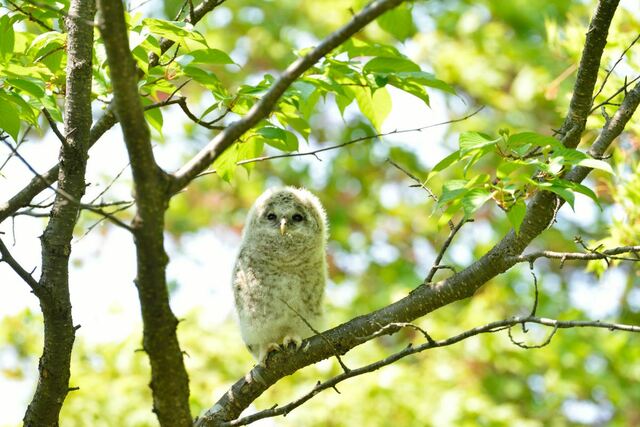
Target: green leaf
357,48
398,22
516,213
9,119
33,87
7,38
596,164
174,30
154,118
426,79
383,64
250,149
473,199
204,56
532,138
470,141
409,86
443,164
376,108
225,164
279,138
452,190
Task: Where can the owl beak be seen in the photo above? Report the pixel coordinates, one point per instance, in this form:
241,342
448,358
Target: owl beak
283,225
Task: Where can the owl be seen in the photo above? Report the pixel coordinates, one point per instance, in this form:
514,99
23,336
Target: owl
280,273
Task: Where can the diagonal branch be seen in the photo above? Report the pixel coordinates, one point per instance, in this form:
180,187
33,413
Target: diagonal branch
59,331
425,299
169,382
20,271
580,256
582,99
410,350
265,105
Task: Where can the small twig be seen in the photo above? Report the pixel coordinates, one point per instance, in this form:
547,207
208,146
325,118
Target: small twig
488,328
24,274
31,17
54,127
436,263
182,102
527,346
338,146
580,256
310,326
624,88
606,77
64,194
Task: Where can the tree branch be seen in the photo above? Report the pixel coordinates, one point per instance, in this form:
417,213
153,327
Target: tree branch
425,299
59,331
582,99
344,144
103,124
169,382
20,271
563,256
265,105
410,350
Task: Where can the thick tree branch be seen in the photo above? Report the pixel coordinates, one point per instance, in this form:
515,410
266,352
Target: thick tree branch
410,350
59,331
425,299
265,105
169,381
582,99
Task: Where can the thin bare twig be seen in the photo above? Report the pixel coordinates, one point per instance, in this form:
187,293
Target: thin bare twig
410,350
315,331
606,77
54,126
591,255
68,197
30,16
20,271
436,263
345,144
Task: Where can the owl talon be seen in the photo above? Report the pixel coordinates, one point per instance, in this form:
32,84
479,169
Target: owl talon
264,353
296,340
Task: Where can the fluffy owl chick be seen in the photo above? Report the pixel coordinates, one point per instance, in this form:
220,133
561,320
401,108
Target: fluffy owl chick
280,274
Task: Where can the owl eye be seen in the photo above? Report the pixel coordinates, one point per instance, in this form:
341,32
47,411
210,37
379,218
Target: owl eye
297,217
271,216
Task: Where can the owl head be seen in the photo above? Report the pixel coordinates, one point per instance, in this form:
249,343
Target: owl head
287,218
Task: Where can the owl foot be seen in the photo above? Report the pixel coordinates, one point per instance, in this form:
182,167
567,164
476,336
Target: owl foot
295,339
264,353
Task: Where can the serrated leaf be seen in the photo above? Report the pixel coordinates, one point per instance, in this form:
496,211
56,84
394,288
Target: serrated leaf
34,88
250,149
204,56
532,138
473,199
356,48
7,37
470,141
516,213
376,108
426,79
279,138
9,119
596,164
444,163
452,190
225,164
383,64
174,30
398,22
410,87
